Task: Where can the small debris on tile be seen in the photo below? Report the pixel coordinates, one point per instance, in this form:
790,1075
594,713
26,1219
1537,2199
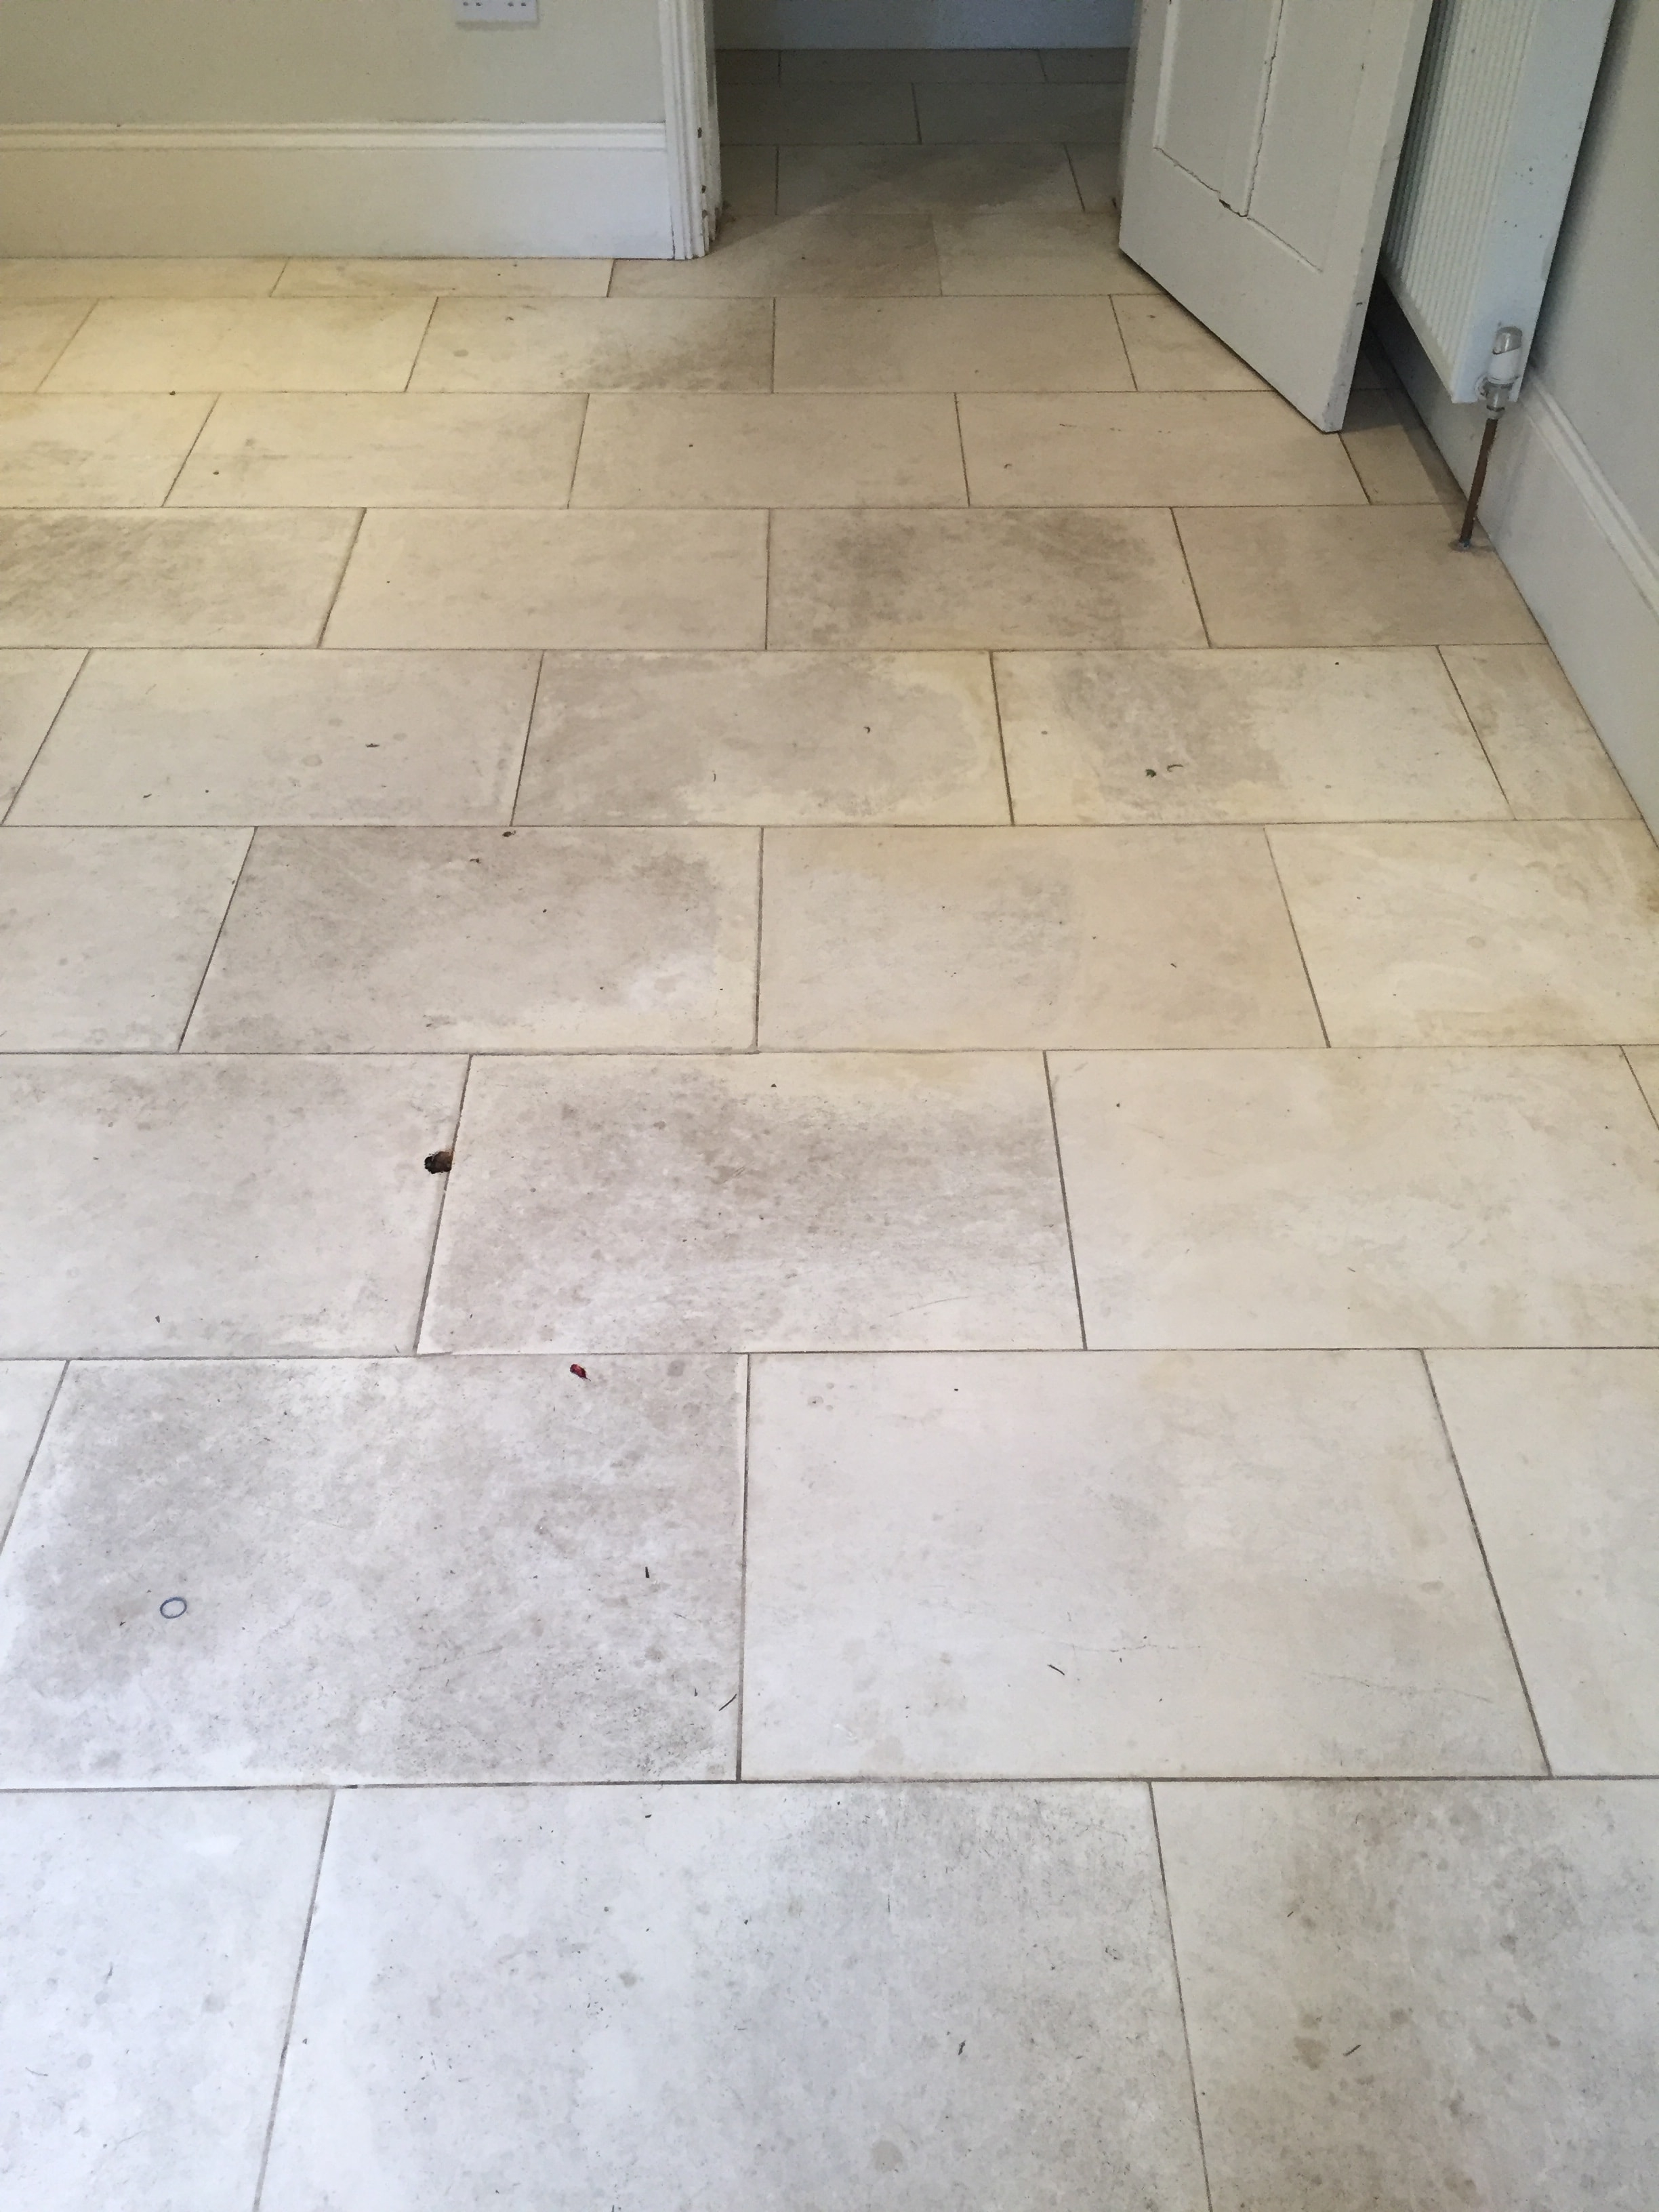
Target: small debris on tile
581,1373
439,1163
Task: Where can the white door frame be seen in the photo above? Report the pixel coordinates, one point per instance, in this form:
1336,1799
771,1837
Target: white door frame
692,124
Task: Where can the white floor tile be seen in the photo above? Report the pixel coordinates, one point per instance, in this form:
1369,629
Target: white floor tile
26,1389
32,687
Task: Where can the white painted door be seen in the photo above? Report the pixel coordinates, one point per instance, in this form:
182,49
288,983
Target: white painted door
1262,141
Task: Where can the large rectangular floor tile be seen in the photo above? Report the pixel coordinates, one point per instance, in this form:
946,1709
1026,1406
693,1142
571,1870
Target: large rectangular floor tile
777,1201
1558,1450
1385,460
1027,938
105,934
1067,576
69,451
765,737
1085,64
1361,1198
457,940
32,688
33,335
1115,1563
552,578
998,65
876,180
597,345
826,113
1149,449
243,345
1546,755
1095,169
1074,114
522,279
284,737
413,1570
1371,575
1035,251
1514,933
1645,1068
138,277
82,578
357,449
1171,350
27,1388
151,1944
1420,1994
845,253
1280,736
844,1999
749,184
732,449
948,346
219,1205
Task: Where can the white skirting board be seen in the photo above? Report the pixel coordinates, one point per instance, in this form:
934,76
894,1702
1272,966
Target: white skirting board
1583,567
797,23
489,189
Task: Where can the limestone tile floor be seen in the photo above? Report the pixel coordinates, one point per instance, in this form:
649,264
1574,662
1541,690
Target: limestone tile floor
830,1288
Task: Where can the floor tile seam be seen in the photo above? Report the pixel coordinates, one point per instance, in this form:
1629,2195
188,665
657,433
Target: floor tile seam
1650,1099
186,1054
760,926
743,1559
1192,581
166,498
444,1179
85,653
1440,652
419,342
575,458
511,816
877,825
339,582
1065,1201
1495,1777
1013,821
1123,340
1181,1997
11,1520
293,2007
86,306
180,1044
1295,935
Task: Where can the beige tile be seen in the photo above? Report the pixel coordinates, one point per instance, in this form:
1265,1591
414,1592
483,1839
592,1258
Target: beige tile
406,1571
1085,64
734,449
1027,938
137,278
455,940
846,253
873,180
1149,449
1097,171
203,737
1375,576
1538,738
524,279
1280,736
167,579
1020,251
597,345
948,346
32,688
242,1207
1514,933
555,579
31,335
1171,350
1384,458
1069,114
105,935
1645,1066
73,452
996,65
360,449
824,114
1361,1198
1068,577
243,345
1115,1563
27,1388
1418,1993
1558,1450
749,181
763,736
772,1200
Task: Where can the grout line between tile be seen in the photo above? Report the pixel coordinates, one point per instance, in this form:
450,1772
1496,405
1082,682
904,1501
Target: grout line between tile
419,343
760,910
1002,741
201,980
35,1453
961,451
743,1557
1192,581
1065,1201
772,384
576,458
339,582
293,2007
1475,731
22,781
63,348
1180,1998
1272,859
1651,1103
1498,1777
766,624
1077,182
524,750
201,428
1134,381
438,1222
287,262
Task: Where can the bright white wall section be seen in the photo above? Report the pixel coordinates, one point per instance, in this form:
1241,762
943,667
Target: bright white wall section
924,22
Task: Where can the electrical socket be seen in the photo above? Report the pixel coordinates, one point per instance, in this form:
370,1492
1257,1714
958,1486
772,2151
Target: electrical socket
496,11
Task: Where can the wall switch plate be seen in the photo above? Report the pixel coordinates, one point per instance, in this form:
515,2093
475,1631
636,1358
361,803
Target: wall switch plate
496,11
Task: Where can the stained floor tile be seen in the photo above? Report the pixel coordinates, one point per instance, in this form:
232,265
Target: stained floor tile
27,1388
522,279
765,1201
33,335
1037,251
1549,760
243,345
32,688
967,1996
72,452
948,346
597,345
1361,1198
414,1571
791,449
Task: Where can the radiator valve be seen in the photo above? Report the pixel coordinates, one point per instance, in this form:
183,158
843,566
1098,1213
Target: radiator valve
1503,370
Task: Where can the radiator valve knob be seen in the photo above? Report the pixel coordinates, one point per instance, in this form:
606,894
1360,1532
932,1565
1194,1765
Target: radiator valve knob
1503,369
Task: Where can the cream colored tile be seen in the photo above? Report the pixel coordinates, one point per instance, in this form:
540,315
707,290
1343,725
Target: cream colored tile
105,935
522,279
1384,458
824,114
1361,1198
487,940
1538,738
1558,1450
244,345
167,579
1027,938
1149,449
948,346
749,181
597,345
31,335
1375,575
846,254
765,1200
94,451
1068,577
32,687
555,579
732,449
1171,350
873,179
763,736
27,1388
138,278
996,65
1645,1066
1019,251
1068,114
1115,1563
203,736
1097,170
1085,64
359,449
1239,736
1515,933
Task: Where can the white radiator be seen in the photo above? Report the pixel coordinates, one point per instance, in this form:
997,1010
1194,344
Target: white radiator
1502,96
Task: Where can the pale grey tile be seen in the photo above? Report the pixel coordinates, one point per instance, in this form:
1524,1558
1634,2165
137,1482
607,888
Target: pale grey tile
1097,170
748,182
243,345
1545,754
1085,64
597,345
33,685
1073,114
824,114
1036,251
876,180
948,346
26,1389
67,451
912,66
1171,351
1645,1066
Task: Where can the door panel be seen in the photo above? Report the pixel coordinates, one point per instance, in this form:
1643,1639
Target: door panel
1213,89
